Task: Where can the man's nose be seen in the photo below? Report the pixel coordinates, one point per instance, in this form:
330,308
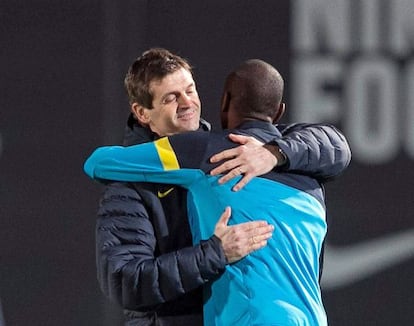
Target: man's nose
184,100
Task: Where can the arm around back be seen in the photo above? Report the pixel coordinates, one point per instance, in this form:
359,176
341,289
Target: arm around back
131,268
318,150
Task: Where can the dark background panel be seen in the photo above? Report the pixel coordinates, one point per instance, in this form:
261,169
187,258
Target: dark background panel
62,67
217,35
51,58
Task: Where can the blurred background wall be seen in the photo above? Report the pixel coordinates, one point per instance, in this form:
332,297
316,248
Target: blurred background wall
349,63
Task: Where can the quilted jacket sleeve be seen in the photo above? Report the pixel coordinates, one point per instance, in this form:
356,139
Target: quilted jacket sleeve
130,271
319,150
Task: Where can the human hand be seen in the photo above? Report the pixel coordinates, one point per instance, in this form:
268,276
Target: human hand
250,159
241,239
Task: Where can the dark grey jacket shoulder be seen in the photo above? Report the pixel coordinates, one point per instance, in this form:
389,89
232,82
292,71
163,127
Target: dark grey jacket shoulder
145,259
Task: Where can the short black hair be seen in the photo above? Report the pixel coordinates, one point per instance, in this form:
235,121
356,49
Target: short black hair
256,88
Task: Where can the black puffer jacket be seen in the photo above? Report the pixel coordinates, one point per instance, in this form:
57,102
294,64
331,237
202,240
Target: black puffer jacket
145,258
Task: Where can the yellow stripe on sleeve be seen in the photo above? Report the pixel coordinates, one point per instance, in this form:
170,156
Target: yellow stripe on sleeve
166,153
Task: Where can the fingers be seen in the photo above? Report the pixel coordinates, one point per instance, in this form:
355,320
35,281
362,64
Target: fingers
259,241
226,167
260,233
226,154
234,172
240,240
239,138
249,159
252,228
224,218
243,181
239,150
257,236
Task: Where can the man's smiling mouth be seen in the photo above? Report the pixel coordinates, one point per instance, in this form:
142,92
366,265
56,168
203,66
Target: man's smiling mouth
186,114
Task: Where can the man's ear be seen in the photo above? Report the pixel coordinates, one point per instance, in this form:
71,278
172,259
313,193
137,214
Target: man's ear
140,113
279,113
225,102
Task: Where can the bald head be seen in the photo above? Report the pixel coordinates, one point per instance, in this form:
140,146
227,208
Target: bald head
255,90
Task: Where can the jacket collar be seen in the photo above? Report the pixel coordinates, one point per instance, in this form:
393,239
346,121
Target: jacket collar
258,128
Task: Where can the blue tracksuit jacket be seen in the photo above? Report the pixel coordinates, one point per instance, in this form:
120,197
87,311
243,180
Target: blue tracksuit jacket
277,285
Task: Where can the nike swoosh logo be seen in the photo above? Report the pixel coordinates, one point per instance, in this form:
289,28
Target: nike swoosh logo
164,193
349,264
